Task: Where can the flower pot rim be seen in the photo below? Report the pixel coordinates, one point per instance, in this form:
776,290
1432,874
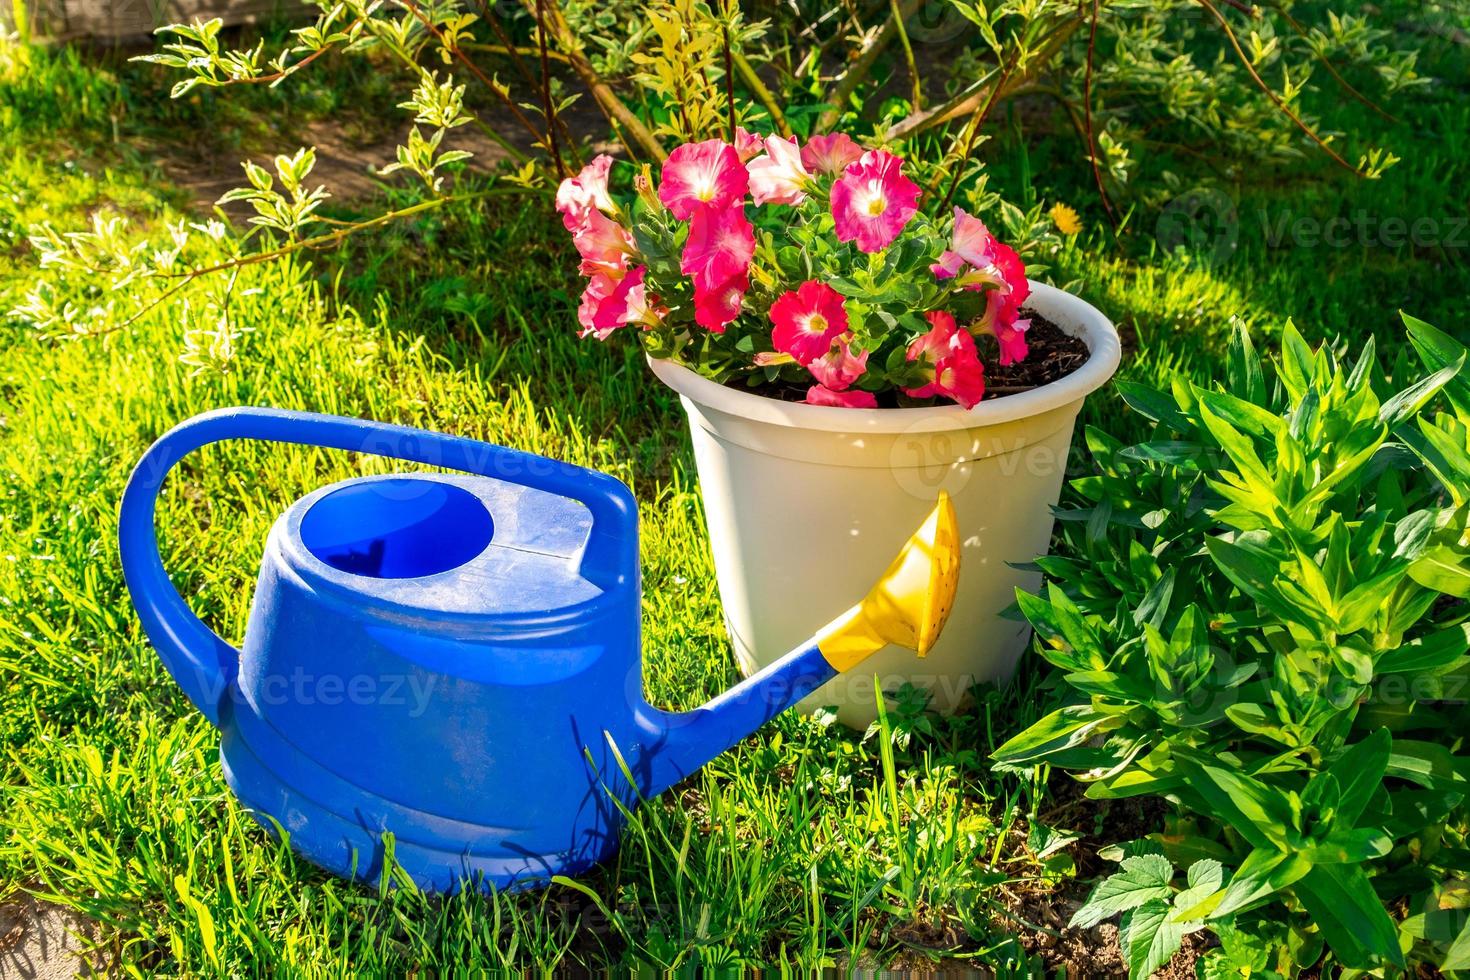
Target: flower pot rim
1072,314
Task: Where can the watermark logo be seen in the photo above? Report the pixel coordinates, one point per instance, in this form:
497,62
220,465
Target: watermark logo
1203,222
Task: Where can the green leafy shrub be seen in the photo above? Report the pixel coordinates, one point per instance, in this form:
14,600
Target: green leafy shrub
1264,622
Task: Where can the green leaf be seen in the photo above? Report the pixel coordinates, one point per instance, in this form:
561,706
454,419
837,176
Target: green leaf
1359,772
1259,813
1153,608
1243,367
1429,764
1240,450
1351,847
1407,403
1437,350
1203,880
1296,361
1150,939
1427,654
1074,629
1143,878
1457,957
1153,405
1443,569
1264,872
1063,729
1341,901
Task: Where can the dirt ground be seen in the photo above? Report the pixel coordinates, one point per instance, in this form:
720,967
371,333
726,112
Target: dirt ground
40,941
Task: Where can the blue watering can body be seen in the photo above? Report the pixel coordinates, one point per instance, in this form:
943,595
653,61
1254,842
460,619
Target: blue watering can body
450,659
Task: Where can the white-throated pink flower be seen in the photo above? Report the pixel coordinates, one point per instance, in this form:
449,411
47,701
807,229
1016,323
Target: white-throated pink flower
604,245
716,306
951,361
777,176
748,144
807,319
702,175
821,395
971,244
719,247
575,196
873,200
611,300
839,368
830,154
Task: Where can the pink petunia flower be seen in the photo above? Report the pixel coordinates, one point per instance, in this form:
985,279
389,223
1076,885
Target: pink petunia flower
971,244
873,200
609,301
720,245
644,308
748,144
1000,321
715,307
807,320
839,368
702,175
949,356
604,245
831,154
777,176
1012,273
585,192
820,395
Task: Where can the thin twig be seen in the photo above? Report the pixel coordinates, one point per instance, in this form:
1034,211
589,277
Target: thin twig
862,65
1091,136
508,48
1260,82
607,100
548,108
464,59
289,70
976,94
319,241
975,123
1326,63
908,55
762,94
729,81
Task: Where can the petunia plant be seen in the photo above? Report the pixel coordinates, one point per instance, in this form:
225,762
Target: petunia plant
797,268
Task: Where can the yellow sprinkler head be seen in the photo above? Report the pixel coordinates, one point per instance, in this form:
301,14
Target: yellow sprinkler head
910,603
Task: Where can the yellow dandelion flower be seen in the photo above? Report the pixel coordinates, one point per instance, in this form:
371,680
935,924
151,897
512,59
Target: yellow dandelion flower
1065,219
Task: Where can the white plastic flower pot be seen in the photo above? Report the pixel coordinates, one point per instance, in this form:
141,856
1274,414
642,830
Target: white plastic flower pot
806,503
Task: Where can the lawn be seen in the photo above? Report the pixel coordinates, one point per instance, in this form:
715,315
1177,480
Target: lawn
462,319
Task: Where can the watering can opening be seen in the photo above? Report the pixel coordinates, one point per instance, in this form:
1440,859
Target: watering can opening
400,527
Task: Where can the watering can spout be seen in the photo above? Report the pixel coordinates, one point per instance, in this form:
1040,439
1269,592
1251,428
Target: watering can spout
907,607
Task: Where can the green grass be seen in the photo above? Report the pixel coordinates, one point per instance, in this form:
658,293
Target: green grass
786,850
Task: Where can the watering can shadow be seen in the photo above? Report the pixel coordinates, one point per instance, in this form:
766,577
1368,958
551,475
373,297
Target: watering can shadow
456,659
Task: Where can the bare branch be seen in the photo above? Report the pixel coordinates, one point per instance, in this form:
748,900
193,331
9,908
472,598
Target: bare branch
1276,99
630,127
863,63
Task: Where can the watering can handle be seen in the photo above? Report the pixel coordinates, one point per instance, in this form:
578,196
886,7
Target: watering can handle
202,662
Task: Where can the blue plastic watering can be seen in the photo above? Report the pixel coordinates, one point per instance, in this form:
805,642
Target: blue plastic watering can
455,659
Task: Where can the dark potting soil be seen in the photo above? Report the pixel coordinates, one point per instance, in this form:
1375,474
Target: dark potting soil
1053,355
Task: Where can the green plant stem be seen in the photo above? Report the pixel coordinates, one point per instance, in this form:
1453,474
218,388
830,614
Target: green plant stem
22,18
862,65
464,59
318,241
908,55
978,95
613,107
762,94
1270,94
